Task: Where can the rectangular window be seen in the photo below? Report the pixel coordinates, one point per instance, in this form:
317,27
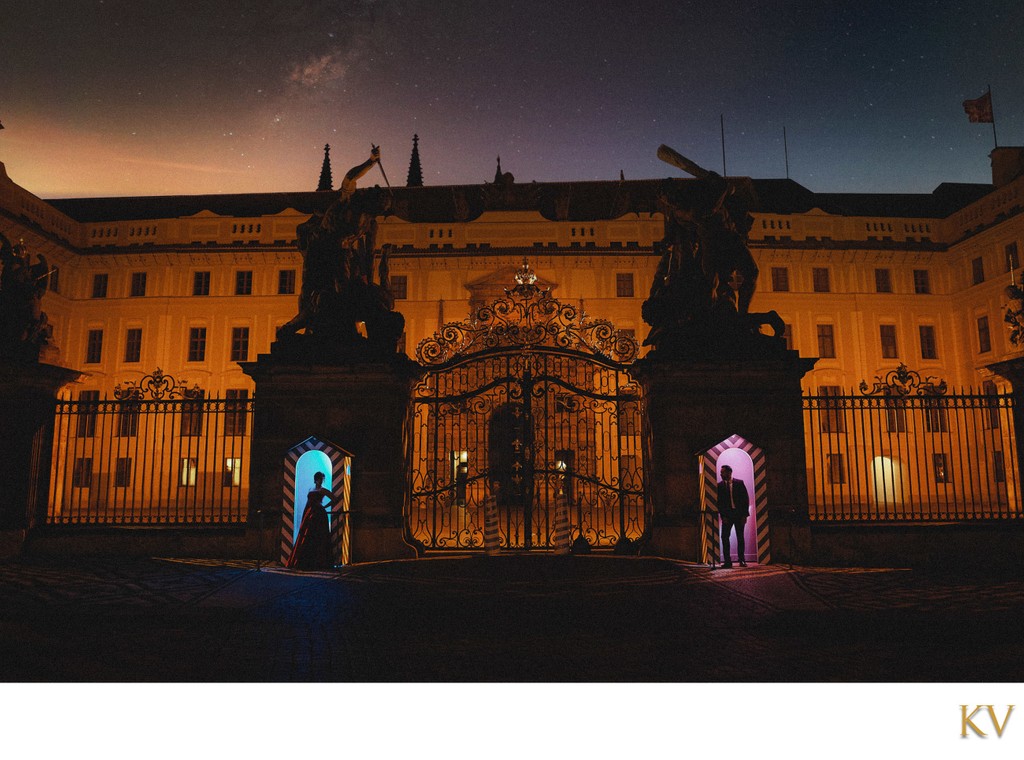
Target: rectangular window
895,415
88,408
201,283
984,338
460,475
998,467
787,335
94,347
1012,257
821,281
928,348
128,419
399,284
888,336
991,402
240,344
235,416
99,285
81,476
832,416
138,287
197,344
935,419
883,281
55,279
286,282
189,470
780,279
624,285
232,476
977,271
243,283
191,424
133,344
922,282
940,465
123,472
826,342
836,469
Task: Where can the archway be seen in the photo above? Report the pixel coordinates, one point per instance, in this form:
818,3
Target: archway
301,462
748,463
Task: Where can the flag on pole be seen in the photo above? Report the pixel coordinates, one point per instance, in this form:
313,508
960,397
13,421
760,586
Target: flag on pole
979,110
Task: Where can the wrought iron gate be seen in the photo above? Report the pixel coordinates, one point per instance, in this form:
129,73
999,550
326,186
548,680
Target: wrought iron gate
531,403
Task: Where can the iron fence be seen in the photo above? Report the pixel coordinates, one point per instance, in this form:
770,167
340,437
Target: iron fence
894,455
137,461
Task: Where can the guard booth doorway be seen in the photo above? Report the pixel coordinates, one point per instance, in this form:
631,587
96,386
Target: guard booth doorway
748,464
531,402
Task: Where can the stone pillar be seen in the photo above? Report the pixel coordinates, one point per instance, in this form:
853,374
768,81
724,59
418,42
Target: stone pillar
362,407
28,392
691,406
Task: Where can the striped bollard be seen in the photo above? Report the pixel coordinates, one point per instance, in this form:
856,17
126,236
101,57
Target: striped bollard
561,526
492,537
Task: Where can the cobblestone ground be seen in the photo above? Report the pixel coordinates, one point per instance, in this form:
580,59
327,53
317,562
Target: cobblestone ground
510,618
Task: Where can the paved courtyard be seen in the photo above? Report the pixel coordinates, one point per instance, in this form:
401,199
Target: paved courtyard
508,618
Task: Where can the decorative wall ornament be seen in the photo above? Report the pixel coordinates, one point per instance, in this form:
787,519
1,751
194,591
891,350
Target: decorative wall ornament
904,382
158,386
528,317
1014,314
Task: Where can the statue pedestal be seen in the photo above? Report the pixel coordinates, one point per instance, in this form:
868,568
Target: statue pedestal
28,391
362,407
693,405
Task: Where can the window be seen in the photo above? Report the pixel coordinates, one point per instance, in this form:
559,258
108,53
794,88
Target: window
1012,257
460,475
123,472
628,418
99,285
286,282
243,283
787,335
984,338
895,415
128,419
836,468
624,285
977,271
922,282
240,344
940,465
935,420
200,283
564,461
232,476
998,467
991,417
94,347
399,285
888,336
928,348
826,342
189,470
832,417
820,277
138,287
88,408
780,279
197,344
54,284
235,416
191,424
133,344
883,281
81,476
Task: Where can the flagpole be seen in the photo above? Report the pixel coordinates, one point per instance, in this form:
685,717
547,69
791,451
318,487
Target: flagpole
995,140
721,118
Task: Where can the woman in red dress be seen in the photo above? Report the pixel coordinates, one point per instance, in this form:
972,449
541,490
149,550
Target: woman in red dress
312,550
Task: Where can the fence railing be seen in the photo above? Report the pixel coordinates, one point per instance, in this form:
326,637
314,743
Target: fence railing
150,462
911,457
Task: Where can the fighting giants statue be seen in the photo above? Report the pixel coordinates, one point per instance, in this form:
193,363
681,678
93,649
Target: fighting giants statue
338,288
24,330
706,278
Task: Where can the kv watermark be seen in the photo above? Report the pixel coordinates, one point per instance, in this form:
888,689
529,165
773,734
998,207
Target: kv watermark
984,715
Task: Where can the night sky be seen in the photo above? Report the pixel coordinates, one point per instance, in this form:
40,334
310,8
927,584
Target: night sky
140,97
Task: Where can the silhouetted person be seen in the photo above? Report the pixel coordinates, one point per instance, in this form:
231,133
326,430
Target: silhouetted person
734,507
312,550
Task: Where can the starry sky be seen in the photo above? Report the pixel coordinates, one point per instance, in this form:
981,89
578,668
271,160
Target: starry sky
156,97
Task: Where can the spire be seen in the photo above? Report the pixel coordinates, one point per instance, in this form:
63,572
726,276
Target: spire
497,174
415,178
326,183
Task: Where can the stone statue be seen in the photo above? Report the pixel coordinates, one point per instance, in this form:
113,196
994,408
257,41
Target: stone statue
24,328
338,288
706,276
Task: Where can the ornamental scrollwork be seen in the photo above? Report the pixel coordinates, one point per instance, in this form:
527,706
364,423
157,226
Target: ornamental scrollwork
904,382
157,386
527,317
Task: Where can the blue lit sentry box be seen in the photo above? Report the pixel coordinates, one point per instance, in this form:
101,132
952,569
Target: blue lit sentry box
301,463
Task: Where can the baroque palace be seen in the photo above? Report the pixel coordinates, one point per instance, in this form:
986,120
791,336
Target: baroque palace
880,288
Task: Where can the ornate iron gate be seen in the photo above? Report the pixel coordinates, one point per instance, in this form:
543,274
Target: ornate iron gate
531,403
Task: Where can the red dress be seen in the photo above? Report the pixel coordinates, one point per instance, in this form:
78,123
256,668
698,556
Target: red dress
312,550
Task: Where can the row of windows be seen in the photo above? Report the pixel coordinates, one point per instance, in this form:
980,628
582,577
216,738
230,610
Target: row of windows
246,228
887,338
821,280
124,469
243,284
238,352
1011,261
835,466
190,422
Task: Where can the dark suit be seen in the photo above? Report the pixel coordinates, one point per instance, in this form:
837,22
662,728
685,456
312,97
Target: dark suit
734,512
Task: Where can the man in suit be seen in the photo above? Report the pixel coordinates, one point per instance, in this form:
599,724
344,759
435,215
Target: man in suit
734,507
